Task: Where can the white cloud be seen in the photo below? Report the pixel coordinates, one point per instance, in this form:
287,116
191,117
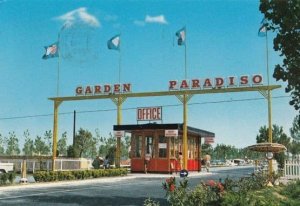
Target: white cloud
156,19
77,16
151,20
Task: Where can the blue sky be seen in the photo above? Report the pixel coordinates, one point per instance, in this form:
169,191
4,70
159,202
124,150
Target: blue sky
222,41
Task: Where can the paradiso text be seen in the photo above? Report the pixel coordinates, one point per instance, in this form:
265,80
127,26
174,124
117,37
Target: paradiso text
205,83
218,82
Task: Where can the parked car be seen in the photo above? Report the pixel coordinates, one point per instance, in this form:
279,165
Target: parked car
6,167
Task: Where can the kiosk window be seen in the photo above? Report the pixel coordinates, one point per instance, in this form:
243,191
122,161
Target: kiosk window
191,147
149,146
162,146
138,146
175,145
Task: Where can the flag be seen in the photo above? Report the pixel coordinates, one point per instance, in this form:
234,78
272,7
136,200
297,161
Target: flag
114,43
51,51
181,34
262,31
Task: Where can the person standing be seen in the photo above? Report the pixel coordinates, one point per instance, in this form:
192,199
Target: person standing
147,160
106,162
180,160
207,162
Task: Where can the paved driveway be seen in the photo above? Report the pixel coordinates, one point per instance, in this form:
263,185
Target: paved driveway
130,190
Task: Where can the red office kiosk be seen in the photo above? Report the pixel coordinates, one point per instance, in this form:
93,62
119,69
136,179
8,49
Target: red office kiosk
164,144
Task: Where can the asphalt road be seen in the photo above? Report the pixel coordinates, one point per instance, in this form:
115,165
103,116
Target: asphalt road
130,190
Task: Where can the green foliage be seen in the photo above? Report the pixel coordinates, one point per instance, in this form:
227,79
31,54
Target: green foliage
150,202
250,198
209,193
85,144
70,151
62,144
40,147
48,141
12,143
278,137
292,190
107,146
6,178
44,176
11,177
207,149
283,19
2,151
3,178
28,147
250,191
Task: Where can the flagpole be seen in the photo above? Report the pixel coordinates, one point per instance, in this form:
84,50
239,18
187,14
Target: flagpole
185,64
120,59
270,134
267,55
58,65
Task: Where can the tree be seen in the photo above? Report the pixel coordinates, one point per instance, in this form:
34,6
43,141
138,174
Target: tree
108,147
62,144
125,145
12,143
2,150
220,151
207,149
295,130
278,137
40,147
84,143
28,148
295,134
71,151
283,18
48,142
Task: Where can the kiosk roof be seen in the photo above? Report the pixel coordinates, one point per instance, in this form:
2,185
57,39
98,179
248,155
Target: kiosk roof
153,126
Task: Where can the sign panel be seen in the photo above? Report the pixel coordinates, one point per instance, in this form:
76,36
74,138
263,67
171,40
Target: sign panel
119,133
91,90
216,83
209,140
184,173
162,145
171,133
149,113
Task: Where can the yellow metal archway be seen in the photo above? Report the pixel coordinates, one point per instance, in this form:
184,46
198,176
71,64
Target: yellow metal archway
183,95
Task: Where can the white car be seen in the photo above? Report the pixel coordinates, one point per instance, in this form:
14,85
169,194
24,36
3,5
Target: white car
6,167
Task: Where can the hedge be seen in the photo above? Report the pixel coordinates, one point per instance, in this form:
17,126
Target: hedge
44,176
7,178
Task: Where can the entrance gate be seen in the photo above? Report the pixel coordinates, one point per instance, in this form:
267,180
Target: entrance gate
183,95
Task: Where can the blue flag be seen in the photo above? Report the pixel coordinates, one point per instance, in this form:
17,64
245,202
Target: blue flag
51,51
114,43
262,31
181,34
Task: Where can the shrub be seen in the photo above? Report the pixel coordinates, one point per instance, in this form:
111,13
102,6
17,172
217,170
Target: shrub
11,177
43,176
208,193
149,202
292,190
3,178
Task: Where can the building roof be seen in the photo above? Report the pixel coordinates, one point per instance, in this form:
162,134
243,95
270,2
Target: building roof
152,126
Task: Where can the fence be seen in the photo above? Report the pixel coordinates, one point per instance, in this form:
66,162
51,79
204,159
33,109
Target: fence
61,164
292,169
73,164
